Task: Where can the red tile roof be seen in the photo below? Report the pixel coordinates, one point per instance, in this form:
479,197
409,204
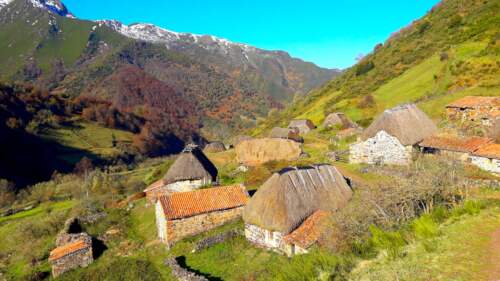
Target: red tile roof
455,143
309,231
471,102
155,185
67,249
489,151
187,204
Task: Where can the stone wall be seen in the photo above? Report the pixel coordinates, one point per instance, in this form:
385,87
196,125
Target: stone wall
482,115
81,258
263,237
381,149
490,165
182,274
161,222
180,228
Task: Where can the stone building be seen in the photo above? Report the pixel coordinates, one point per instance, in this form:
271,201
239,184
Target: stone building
283,214
190,171
339,119
259,151
179,215
481,111
75,250
304,125
454,147
390,139
286,133
487,158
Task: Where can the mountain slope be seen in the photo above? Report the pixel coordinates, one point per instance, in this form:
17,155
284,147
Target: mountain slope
230,85
451,52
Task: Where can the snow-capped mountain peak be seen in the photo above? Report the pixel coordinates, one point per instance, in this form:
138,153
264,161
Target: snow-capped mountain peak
54,6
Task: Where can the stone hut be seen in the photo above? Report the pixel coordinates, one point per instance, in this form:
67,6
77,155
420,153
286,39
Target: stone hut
482,111
307,234
455,147
259,151
286,133
339,119
215,147
304,125
190,171
75,251
487,157
280,214
390,139
180,215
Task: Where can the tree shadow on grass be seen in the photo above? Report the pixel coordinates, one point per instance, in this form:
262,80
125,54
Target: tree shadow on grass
98,248
181,260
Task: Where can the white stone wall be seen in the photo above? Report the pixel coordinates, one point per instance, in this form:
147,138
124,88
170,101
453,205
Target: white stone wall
381,149
161,222
263,237
491,165
188,185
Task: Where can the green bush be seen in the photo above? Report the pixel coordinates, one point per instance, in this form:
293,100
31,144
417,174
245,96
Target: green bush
364,67
469,207
425,227
392,242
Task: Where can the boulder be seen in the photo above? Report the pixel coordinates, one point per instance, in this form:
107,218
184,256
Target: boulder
259,151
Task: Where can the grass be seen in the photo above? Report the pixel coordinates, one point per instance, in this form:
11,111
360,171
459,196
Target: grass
90,137
58,206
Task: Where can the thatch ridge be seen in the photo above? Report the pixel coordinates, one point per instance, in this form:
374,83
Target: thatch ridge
407,123
192,164
291,195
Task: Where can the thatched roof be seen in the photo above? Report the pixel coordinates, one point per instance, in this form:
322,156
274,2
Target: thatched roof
286,133
340,119
290,196
304,125
407,123
191,164
259,151
214,147
239,138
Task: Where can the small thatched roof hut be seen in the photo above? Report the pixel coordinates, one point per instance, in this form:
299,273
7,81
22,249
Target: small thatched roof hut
259,151
304,125
407,123
286,133
290,196
339,119
192,164
215,147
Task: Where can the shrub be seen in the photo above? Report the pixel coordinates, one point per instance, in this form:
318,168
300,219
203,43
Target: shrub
425,227
364,67
392,242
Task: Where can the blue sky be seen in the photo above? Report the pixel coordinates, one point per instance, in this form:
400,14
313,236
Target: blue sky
330,33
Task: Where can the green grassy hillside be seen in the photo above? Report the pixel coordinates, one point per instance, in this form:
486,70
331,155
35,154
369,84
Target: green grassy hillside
451,52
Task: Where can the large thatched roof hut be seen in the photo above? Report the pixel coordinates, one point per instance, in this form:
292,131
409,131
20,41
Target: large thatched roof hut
192,164
286,133
391,137
288,198
304,125
407,123
339,119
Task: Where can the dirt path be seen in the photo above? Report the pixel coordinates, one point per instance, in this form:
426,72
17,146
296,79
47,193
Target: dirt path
494,263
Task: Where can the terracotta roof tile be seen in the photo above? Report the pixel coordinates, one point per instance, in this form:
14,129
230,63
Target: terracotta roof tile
191,203
490,151
309,231
67,249
471,101
154,185
455,143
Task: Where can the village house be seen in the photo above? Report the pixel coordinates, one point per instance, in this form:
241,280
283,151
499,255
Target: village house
487,157
482,111
286,133
285,213
455,147
214,147
184,214
190,171
303,125
259,151
75,251
391,138
338,119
